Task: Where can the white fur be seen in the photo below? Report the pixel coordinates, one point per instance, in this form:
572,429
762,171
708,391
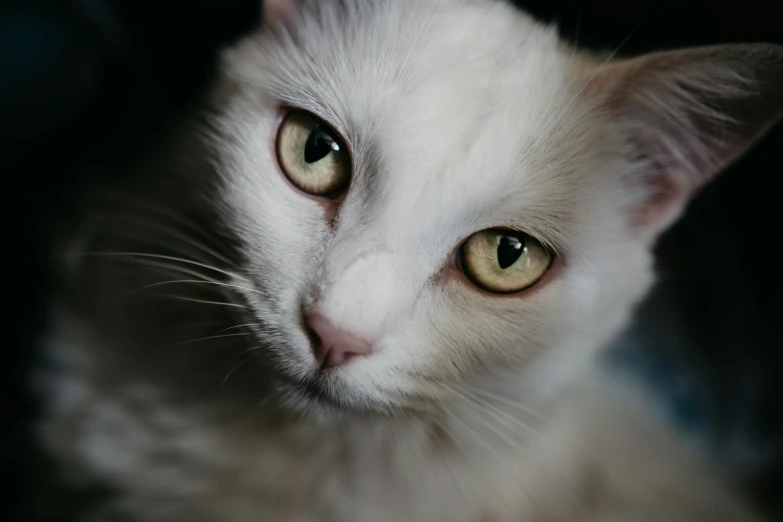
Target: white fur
366,297
460,116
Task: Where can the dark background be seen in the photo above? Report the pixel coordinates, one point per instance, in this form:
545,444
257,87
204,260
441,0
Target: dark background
85,85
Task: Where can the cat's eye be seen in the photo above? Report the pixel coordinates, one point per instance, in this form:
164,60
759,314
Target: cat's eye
504,261
312,156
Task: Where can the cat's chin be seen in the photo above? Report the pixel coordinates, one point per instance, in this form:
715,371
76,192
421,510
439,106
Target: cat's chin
313,399
308,396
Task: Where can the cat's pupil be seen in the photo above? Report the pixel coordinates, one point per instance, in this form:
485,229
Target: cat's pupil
319,145
510,248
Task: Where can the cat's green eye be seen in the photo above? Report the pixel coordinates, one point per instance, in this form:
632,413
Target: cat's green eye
312,156
504,261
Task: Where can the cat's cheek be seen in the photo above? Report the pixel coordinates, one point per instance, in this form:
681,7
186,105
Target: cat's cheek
455,272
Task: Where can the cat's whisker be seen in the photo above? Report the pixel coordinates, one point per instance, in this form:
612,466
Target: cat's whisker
236,326
190,281
157,284
165,229
508,402
517,423
504,420
607,60
459,443
476,438
394,449
447,429
175,269
144,255
200,301
207,338
510,420
161,210
243,352
508,439
236,367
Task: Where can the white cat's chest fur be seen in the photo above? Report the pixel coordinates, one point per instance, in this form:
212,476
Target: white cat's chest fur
590,459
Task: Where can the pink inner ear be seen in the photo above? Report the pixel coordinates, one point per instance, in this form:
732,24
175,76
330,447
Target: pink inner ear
279,11
689,114
662,200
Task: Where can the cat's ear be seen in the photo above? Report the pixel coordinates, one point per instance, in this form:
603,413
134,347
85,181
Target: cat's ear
687,115
277,12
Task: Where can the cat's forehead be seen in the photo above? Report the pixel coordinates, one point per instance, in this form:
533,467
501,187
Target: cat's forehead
358,64
439,101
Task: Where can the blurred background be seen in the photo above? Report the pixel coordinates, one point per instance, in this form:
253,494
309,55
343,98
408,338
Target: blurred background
87,84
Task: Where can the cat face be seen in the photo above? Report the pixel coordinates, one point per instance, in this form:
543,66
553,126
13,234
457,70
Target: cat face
437,197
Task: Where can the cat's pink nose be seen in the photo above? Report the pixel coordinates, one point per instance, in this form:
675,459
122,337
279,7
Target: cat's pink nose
332,345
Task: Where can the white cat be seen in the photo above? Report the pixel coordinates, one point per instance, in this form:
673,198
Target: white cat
370,280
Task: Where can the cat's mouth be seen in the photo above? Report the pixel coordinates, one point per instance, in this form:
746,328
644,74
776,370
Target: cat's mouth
307,394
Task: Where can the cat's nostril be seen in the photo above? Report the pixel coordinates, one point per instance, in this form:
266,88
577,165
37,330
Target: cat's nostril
333,346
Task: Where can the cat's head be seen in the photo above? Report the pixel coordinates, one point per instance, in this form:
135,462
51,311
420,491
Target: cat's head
433,197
